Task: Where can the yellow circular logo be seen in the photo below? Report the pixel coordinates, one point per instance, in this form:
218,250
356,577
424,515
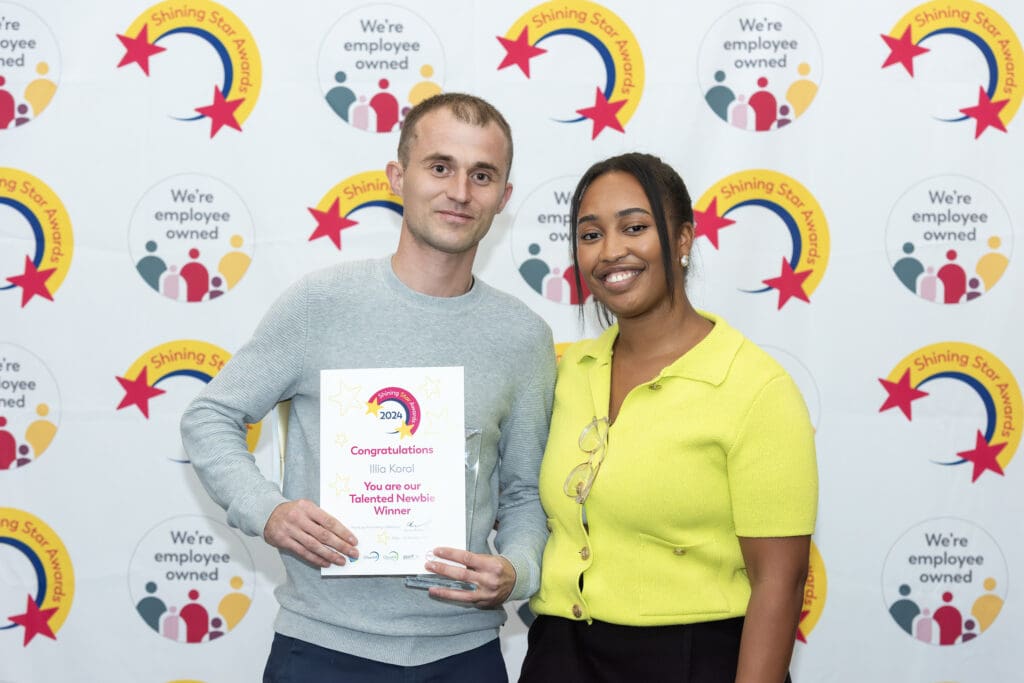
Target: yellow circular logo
233,61
47,586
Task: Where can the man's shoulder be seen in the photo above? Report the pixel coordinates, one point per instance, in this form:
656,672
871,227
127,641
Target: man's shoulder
511,315
329,280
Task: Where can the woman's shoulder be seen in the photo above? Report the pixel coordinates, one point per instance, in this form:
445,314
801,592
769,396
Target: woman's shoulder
596,348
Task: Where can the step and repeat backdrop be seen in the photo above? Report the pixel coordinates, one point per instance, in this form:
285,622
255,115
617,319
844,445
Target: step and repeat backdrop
167,169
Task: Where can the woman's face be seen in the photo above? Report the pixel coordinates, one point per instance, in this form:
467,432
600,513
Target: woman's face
619,252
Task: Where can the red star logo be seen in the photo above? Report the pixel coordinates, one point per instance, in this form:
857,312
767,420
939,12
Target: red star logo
32,282
709,223
137,392
36,621
902,51
986,112
330,223
983,455
221,112
799,632
789,283
138,50
603,113
519,52
901,394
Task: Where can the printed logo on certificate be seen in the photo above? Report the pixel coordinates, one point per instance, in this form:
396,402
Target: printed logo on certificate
392,464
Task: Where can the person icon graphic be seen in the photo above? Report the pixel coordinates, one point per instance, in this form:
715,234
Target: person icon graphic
801,91
950,621
992,265
151,608
425,88
534,270
954,279
905,610
234,263
719,97
197,278
385,106
554,286
170,624
764,105
8,446
151,266
234,605
39,92
197,619
739,113
340,97
6,105
987,607
908,268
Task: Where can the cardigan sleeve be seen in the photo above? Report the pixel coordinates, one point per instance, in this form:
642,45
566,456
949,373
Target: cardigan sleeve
773,476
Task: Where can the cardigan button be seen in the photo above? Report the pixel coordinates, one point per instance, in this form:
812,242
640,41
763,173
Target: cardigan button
584,553
577,611
654,387
679,551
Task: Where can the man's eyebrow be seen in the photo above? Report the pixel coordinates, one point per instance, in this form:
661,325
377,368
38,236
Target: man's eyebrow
487,166
449,159
618,214
437,156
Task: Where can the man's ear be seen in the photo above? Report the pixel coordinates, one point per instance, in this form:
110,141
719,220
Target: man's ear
505,198
395,173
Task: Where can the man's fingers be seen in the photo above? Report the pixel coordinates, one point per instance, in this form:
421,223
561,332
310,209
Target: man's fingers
451,571
305,530
492,575
454,594
332,525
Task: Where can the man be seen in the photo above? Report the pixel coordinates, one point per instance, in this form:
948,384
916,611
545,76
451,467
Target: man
421,307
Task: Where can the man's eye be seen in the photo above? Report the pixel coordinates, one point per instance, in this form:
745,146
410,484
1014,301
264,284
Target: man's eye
482,178
439,168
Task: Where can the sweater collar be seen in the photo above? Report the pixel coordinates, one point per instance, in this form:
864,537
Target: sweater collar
434,304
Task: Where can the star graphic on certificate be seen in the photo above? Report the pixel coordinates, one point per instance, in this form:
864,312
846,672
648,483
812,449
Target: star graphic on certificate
431,387
341,484
341,439
382,537
347,397
432,418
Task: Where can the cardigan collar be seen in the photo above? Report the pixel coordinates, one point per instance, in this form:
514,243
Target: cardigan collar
709,361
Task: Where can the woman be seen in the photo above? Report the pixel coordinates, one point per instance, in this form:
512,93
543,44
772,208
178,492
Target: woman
679,477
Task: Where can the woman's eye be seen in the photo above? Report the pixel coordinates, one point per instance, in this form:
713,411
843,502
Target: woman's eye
636,228
589,235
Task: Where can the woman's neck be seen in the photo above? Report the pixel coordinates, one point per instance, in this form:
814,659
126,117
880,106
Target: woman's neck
669,333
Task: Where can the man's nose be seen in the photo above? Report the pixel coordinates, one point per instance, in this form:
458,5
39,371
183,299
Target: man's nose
459,187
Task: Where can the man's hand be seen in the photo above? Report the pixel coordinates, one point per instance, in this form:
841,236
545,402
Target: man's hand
302,528
493,576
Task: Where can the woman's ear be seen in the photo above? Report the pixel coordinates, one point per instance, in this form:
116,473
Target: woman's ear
685,240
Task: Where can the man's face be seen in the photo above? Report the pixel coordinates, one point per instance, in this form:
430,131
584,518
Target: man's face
454,183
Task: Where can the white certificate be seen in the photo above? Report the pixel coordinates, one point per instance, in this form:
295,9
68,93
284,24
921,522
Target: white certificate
392,464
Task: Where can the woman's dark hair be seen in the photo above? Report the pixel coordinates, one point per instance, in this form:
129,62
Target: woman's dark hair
667,195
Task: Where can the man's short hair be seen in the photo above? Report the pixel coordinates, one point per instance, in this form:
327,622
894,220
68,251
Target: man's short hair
466,108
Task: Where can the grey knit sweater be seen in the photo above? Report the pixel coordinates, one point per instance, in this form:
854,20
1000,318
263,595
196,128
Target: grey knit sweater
360,315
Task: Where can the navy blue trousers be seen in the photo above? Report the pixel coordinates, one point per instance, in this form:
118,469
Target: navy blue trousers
296,661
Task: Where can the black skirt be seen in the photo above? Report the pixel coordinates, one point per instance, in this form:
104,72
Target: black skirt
566,650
